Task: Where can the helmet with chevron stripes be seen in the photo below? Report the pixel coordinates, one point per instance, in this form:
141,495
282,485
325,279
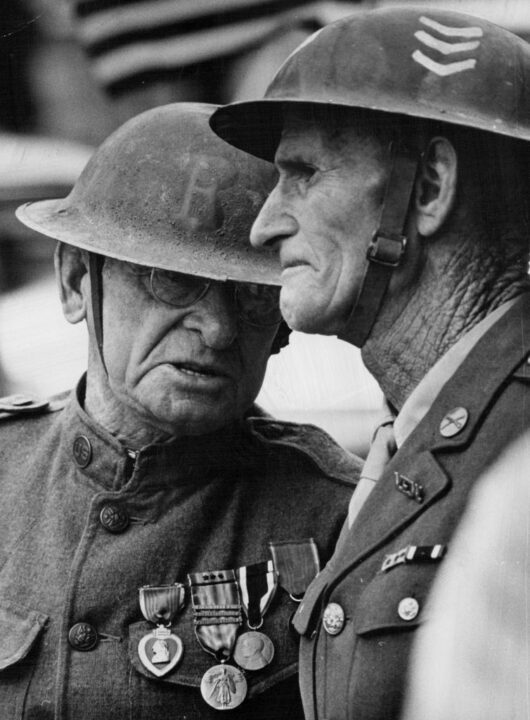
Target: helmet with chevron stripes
423,63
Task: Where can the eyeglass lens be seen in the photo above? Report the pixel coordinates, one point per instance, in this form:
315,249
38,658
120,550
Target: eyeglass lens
256,304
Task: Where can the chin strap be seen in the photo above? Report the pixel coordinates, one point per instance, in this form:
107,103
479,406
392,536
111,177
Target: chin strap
95,266
386,248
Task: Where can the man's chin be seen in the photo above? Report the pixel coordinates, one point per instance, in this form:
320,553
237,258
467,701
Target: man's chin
307,318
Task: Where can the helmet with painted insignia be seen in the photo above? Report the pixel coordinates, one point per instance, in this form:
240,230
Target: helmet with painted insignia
164,191
409,67
423,63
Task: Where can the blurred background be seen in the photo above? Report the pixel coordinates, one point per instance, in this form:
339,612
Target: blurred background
71,71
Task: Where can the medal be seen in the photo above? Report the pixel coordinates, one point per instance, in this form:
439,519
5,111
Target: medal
297,564
217,618
223,687
257,583
161,650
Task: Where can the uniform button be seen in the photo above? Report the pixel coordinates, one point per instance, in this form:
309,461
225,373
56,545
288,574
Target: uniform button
408,608
82,450
113,518
454,422
333,619
83,636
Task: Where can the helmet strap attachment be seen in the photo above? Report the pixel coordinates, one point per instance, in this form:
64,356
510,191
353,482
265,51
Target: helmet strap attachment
386,248
95,267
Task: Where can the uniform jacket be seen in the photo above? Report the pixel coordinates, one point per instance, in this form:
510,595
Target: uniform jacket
192,506
360,673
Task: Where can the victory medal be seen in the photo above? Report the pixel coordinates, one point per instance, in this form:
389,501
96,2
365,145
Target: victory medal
217,618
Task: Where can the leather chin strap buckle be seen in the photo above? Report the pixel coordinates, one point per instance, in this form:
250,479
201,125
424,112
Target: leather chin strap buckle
387,247
386,250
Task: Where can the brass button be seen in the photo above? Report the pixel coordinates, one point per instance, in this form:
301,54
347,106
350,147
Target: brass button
408,608
83,636
113,518
333,619
82,451
454,422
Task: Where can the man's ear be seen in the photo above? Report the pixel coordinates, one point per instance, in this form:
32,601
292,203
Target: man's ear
435,187
71,270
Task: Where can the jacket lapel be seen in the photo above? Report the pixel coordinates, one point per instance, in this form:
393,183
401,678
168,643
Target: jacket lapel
388,511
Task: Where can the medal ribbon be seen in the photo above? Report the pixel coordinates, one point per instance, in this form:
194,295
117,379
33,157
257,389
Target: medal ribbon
258,584
296,563
160,604
217,611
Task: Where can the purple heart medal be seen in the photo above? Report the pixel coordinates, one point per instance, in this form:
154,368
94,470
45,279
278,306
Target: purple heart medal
161,650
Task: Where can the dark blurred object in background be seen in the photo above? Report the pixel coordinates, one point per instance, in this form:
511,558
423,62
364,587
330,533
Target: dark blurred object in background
17,36
134,43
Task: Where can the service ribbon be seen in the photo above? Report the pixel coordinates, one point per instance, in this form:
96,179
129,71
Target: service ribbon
217,611
258,584
297,563
160,604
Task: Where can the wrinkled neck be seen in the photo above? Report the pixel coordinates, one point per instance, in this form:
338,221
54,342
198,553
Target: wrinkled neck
452,294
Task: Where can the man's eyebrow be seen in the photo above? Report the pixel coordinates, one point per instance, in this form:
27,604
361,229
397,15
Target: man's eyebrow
289,159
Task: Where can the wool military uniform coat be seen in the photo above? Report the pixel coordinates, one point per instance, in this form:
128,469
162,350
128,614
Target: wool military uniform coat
359,674
85,525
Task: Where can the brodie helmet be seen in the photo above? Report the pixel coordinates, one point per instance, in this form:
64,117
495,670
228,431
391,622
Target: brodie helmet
164,191
413,62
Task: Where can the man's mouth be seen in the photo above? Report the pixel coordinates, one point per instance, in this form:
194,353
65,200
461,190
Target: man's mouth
200,370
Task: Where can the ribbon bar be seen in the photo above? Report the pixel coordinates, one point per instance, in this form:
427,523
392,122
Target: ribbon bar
414,553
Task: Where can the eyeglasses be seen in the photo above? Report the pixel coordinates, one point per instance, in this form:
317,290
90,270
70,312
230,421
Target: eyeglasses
256,304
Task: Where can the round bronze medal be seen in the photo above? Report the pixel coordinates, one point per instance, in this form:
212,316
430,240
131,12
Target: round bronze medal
253,650
223,687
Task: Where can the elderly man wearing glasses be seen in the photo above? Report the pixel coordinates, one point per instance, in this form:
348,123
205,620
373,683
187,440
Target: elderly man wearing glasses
156,523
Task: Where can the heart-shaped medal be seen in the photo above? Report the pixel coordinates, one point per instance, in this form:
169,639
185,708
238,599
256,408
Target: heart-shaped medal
160,651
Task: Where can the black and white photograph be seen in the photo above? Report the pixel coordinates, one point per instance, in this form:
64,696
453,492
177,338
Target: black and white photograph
265,359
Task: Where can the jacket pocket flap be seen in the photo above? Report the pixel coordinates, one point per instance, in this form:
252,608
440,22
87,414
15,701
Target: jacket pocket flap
19,627
394,600
195,661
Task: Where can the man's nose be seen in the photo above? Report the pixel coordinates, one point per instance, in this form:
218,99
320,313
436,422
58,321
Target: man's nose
274,222
215,316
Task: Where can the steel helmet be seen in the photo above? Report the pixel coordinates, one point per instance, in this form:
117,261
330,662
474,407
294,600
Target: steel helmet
420,62
164,191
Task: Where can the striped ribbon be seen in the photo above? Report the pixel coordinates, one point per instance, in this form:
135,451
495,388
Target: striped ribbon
297,563
160,604
257,584
217,611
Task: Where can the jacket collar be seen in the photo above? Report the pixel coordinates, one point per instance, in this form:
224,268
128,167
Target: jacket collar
490,363
99,457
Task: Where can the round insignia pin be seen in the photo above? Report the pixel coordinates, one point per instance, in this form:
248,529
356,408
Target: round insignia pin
253,651
333,619
223,687
160,651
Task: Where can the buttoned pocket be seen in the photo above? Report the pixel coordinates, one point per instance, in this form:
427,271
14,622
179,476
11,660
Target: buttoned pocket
394,600
19,629
196,662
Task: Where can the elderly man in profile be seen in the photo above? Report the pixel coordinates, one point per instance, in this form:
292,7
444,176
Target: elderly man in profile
401,220
155,522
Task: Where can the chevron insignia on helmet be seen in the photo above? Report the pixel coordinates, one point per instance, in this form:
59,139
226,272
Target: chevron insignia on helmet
456,40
